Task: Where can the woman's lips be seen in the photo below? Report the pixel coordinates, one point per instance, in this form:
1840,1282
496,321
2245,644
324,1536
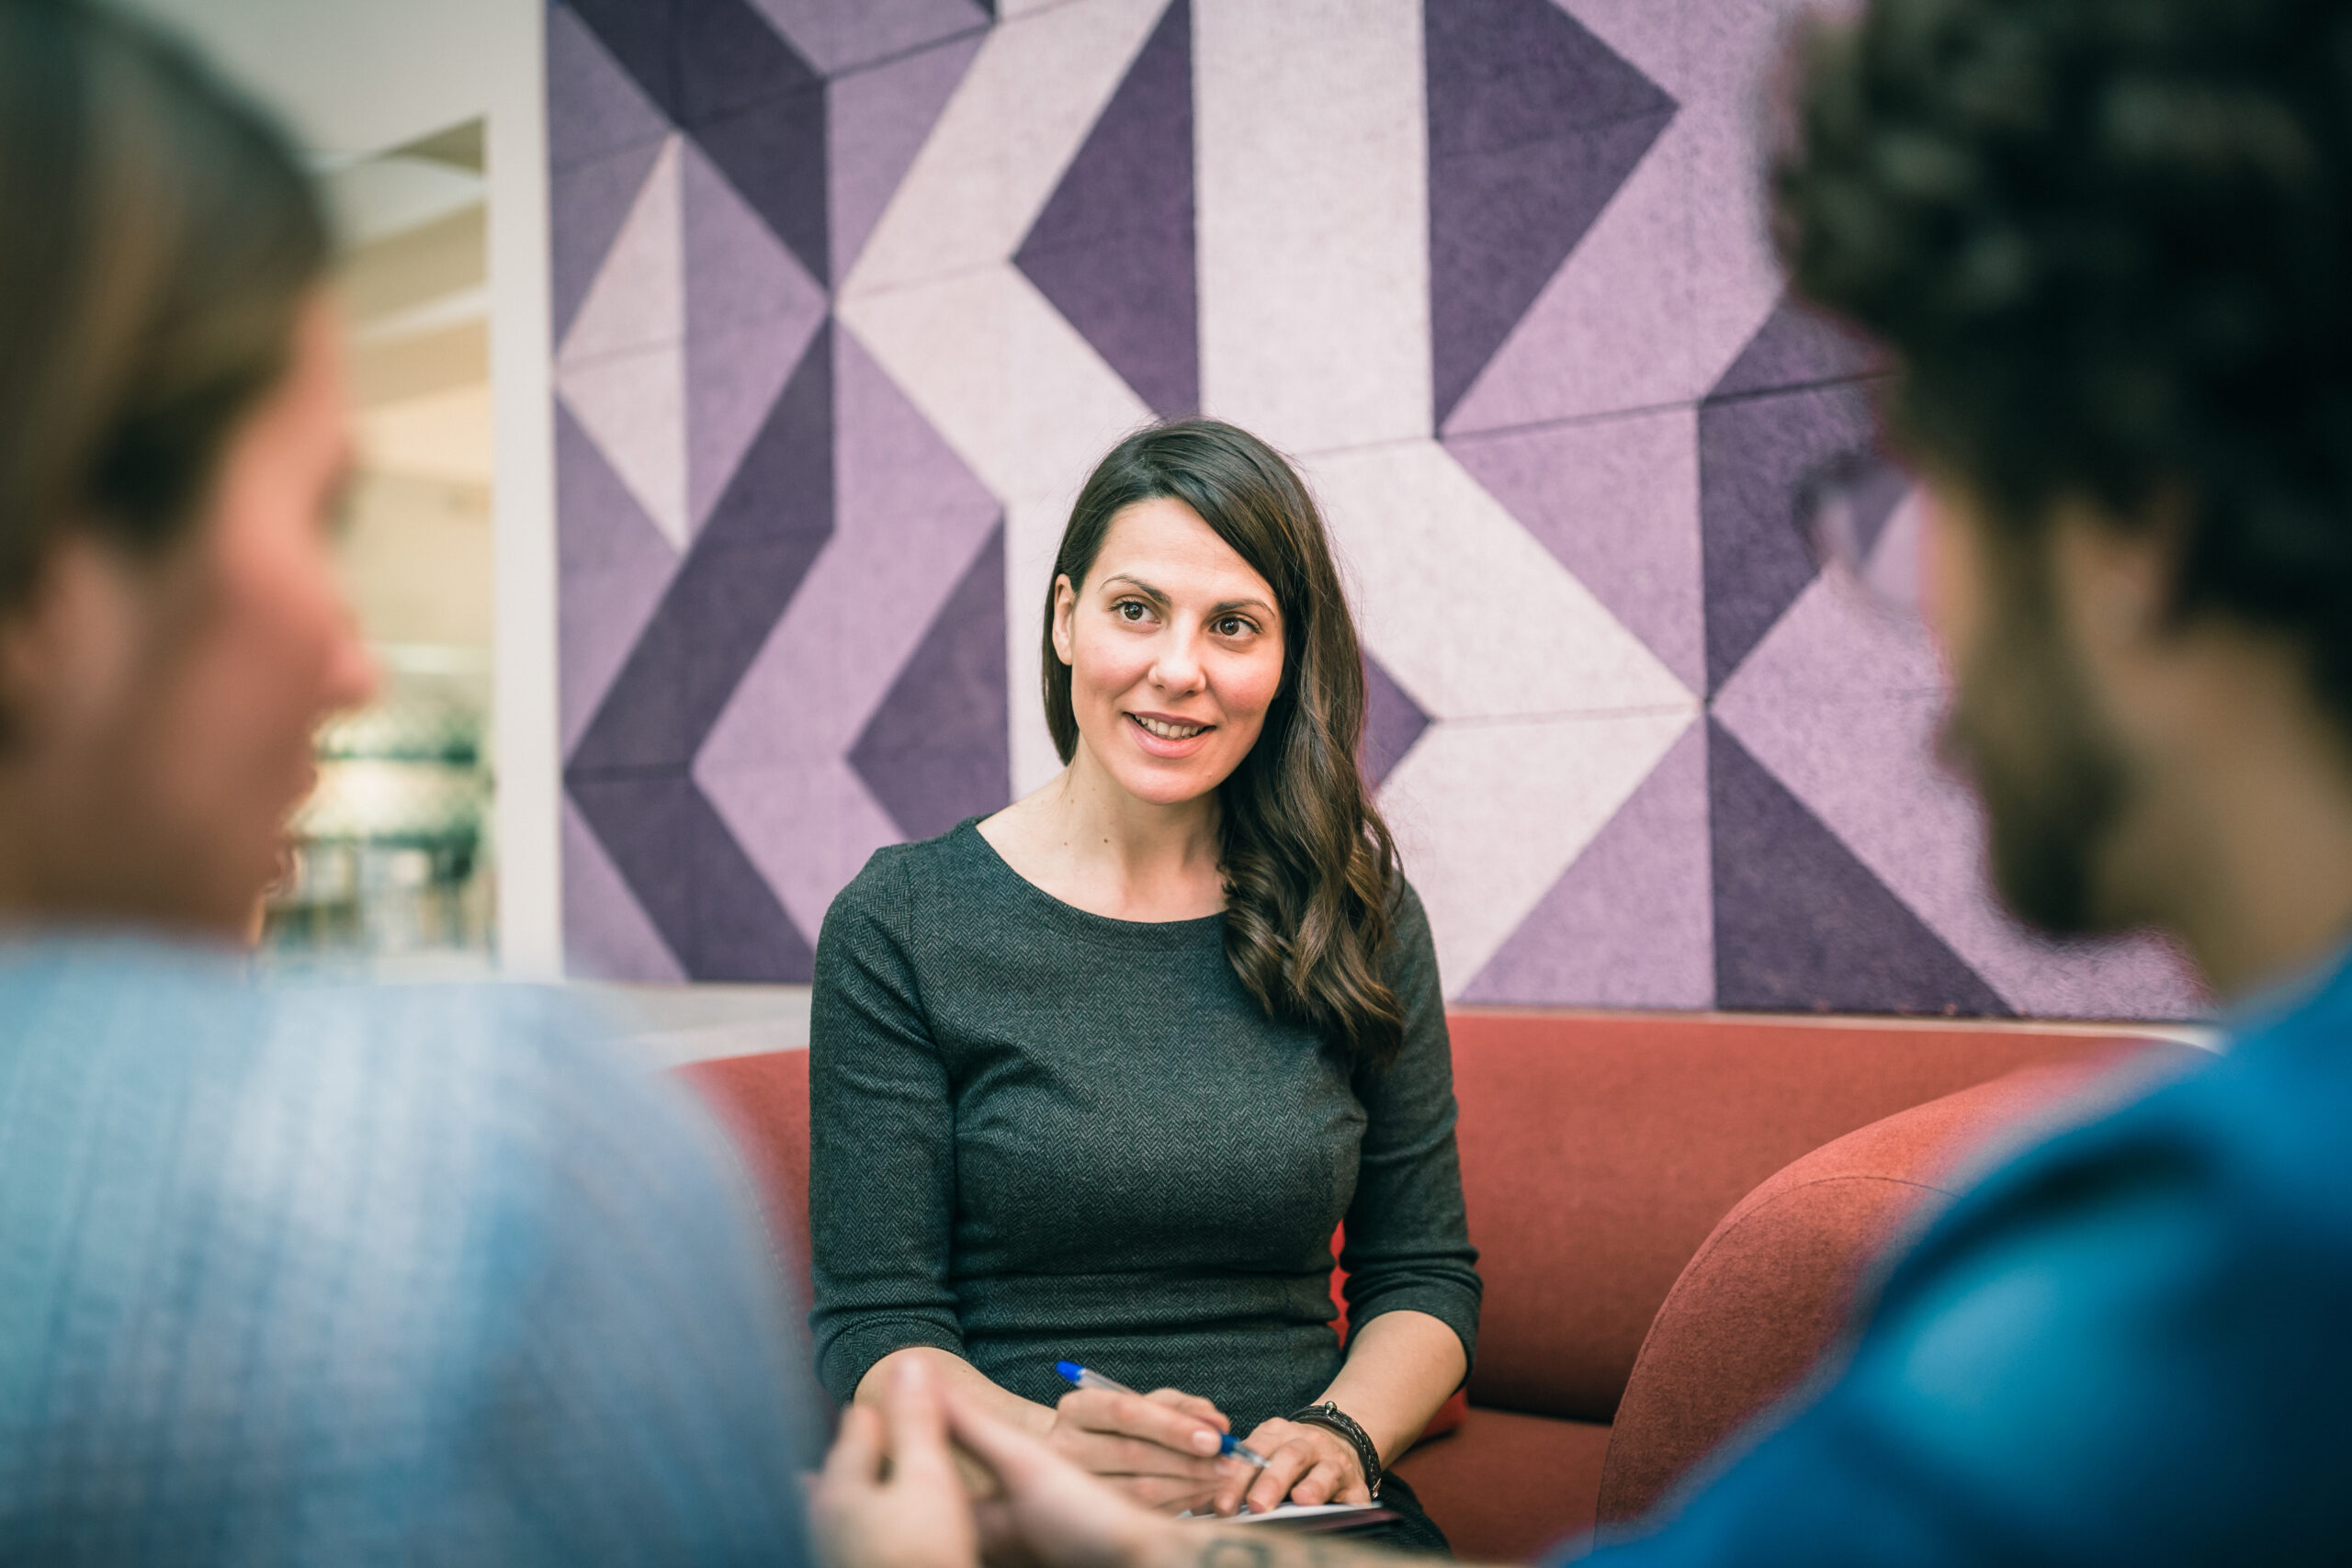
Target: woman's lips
1162,737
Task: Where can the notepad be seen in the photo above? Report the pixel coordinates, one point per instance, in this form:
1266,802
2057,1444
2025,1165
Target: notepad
1309,1516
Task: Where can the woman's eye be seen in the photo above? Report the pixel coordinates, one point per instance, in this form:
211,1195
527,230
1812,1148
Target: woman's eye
1234,625
1128,609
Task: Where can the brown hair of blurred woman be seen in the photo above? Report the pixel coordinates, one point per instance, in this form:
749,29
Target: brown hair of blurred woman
162,239
174,445
1310,869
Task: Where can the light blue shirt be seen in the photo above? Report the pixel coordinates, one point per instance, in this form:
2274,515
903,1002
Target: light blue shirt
370,1275
2131,1344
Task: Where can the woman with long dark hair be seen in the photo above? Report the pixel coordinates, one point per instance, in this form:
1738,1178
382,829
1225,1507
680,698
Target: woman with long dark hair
1095,1079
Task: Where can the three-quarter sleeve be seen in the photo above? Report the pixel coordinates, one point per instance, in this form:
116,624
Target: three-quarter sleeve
881,1154
1408,1244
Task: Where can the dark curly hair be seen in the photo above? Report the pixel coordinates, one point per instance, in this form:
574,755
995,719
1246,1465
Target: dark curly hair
2110,244
1310,869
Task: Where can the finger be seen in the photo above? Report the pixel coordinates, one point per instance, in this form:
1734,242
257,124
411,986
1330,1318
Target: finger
1283,1467
1192,1404
856,1459
918,1427
1014,1456
1108,1454
1137,1416
1317,1486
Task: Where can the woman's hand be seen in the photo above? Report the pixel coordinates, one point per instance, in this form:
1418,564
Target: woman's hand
1304,1464
1160,1449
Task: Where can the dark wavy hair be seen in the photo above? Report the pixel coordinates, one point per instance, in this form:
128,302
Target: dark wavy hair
1310,869
162,238
2110,244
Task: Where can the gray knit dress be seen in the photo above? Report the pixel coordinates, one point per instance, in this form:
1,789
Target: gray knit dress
1041,1134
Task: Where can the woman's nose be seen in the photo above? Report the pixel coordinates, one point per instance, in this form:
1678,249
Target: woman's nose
1177,669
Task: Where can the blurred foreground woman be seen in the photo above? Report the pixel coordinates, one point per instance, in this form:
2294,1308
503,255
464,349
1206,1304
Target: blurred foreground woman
318,1277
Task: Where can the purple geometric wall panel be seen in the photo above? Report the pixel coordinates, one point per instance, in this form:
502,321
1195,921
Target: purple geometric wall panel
1113,249
801,486
727,77
1758,447
1534,123
937,750
1801,925
1392,722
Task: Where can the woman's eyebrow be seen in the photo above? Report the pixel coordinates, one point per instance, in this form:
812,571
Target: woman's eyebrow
1229,605
1146,589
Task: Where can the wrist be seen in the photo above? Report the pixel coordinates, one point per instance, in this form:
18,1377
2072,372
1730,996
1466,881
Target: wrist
1333,1419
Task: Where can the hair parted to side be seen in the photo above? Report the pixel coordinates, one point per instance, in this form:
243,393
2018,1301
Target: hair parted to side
162,238
2109,244
1310,870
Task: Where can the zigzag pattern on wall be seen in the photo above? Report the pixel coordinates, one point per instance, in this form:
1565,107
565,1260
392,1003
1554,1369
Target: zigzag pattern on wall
850,295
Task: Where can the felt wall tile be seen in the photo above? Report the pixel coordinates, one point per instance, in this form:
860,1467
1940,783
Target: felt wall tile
769,808
637,298
1534,123
1616,500
1393,722
1676,273
612,566
633,405
1473,615
1315,309
1114,248
607,935
589,202
1488,813
876,120
838,36
1629,923
594,109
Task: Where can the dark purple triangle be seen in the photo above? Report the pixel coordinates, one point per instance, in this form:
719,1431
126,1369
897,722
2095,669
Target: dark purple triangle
1392,722
587,204
1534,123
702,892
1801,925
1796,347
1113,250
938,747
1756,454
642,36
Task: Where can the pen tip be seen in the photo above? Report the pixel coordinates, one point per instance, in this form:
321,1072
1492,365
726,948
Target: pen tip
1068,1369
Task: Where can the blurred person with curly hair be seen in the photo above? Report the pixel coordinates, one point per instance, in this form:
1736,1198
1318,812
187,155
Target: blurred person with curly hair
2107,245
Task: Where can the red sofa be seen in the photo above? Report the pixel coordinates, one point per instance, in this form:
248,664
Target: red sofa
1672,1213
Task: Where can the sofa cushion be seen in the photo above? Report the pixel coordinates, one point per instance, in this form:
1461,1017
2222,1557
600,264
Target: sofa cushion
1774,1285
1598,1151
1506,1485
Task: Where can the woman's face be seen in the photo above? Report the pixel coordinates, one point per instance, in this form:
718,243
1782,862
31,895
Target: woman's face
170,707
1175,650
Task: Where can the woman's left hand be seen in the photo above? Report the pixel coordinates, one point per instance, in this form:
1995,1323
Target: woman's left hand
1304,1464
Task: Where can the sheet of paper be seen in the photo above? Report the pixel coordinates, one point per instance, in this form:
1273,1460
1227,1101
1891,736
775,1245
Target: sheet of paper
1296,1513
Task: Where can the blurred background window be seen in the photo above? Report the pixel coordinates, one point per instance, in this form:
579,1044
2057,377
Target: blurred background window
394,859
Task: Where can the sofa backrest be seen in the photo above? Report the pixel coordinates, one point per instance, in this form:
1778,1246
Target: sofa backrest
1598,1151
1773,1286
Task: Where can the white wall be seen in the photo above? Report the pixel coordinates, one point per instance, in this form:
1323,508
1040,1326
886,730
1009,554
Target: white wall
357,76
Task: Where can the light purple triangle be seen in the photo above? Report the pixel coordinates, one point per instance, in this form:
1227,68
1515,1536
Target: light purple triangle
587,204
1616,502
750,310
838,36
876,121
594,109
1840,703
1629,923
612,565
607,935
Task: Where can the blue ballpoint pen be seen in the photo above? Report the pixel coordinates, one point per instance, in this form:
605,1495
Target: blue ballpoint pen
1086,1377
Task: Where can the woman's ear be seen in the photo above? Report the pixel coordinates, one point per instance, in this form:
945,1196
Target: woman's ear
1065,608
67,646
